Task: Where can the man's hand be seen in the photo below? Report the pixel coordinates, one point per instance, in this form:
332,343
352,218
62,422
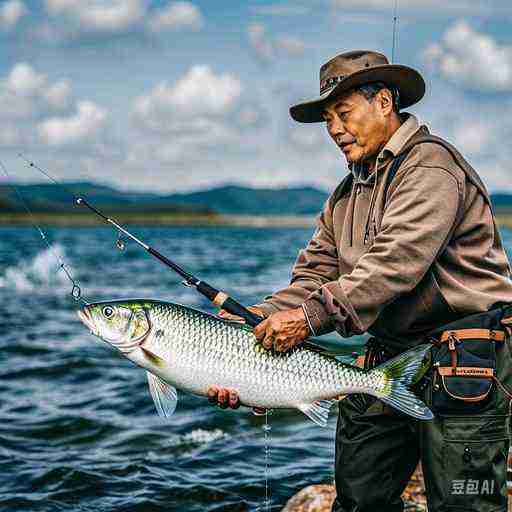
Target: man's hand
224,398
283,330
234,318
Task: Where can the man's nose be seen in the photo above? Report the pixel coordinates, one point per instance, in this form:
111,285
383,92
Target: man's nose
336,128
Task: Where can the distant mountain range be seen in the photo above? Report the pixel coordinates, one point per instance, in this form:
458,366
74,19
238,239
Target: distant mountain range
48,198
230,199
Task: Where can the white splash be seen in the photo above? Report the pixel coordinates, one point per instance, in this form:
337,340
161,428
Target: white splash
200,436
41,272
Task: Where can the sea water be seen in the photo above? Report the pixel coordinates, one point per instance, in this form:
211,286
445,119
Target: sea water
78,429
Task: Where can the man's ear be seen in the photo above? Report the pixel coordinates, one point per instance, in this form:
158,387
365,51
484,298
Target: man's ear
385,99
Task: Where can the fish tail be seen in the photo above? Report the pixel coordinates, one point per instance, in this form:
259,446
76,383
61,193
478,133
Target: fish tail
400,373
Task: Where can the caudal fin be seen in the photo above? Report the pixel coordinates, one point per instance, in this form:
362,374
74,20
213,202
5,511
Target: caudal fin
401,372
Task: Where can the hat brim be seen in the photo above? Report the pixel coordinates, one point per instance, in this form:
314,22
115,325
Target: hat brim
408,81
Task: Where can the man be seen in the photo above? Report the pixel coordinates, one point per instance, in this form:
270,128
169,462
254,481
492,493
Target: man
406,244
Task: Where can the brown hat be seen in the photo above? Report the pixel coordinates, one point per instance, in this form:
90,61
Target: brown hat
352,69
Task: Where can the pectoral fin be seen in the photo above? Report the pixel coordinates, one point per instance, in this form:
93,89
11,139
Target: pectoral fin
164,395
317,411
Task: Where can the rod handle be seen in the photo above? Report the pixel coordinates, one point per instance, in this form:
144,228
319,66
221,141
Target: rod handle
235,308
224,301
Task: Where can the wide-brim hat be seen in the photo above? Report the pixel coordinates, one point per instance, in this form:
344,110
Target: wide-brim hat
353,69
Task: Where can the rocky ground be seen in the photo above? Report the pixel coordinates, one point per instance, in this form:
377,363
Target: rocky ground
319,498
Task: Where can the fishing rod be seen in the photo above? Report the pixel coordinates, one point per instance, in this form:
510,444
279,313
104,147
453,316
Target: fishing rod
395,31
217,297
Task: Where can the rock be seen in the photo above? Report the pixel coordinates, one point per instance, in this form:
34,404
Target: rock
319,498
314,498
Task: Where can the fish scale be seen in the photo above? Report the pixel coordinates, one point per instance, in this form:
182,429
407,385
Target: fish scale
188,349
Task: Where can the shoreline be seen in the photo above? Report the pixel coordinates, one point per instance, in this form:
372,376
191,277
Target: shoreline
159,219
172,219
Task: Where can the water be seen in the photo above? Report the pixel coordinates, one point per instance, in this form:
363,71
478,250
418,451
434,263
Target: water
78,429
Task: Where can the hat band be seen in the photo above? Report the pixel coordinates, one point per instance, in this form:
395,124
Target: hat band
330,82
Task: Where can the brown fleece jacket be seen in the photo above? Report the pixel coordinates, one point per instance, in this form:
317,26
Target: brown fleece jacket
400,262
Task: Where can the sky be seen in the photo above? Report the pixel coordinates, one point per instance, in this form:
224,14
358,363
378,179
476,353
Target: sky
170,96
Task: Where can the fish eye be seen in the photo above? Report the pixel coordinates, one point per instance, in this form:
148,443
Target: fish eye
108,312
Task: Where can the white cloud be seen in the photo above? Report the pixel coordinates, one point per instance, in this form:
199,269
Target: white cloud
87,121
120,16
478,129
176,16
268,49
23,80
199,92
11,12
26,93
100,16
471,59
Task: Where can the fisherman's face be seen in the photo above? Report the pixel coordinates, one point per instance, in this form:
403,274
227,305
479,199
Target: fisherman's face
359,127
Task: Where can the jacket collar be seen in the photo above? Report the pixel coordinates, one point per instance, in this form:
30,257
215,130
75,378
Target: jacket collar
398,140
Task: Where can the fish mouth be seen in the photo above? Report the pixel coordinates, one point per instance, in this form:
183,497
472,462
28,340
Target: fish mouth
86,318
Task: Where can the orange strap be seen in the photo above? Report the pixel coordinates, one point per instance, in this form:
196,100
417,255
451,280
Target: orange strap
465,371
476,334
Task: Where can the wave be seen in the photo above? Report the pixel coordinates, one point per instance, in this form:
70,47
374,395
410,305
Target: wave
201,436
43,271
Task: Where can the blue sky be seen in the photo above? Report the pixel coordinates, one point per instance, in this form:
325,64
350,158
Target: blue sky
178,95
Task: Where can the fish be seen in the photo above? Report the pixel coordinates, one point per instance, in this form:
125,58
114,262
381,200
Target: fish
183,348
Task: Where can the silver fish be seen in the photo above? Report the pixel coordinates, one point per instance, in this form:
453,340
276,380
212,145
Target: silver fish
181,347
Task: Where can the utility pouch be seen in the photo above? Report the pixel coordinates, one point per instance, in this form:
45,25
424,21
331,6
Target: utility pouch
464,363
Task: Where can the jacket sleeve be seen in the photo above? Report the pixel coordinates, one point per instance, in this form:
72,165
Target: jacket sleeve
416,225
316,265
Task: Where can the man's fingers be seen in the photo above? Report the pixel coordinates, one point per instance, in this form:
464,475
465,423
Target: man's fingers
234,401
212,394
268,342
223,398
260,329
228,316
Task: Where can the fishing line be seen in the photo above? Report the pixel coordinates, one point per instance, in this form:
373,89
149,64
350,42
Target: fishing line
395,31
76,291
267,503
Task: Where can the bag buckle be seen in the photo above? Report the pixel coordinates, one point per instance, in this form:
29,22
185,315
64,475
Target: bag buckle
452,347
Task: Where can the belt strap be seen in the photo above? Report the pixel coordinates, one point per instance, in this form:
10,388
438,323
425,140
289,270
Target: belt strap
465,371
476,334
